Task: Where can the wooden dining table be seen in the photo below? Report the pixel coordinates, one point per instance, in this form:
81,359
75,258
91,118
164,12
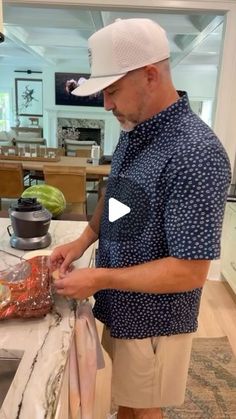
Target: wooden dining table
99,171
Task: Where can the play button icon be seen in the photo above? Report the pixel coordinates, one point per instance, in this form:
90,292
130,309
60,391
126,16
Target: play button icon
117,210
123,212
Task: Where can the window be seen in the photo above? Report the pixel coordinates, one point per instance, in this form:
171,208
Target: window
203,109
4,111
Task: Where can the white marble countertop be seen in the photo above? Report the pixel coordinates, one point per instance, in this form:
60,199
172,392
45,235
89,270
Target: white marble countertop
43,344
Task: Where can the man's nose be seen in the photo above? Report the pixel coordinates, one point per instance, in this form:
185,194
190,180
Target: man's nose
108,103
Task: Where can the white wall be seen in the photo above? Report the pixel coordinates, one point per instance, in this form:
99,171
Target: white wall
7,85
1,21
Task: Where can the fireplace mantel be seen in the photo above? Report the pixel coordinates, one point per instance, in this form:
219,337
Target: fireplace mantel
72,128
111,126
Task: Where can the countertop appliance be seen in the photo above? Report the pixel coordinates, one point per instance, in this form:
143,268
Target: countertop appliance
30,222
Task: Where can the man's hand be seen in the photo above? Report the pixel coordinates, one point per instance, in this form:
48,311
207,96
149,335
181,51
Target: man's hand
79,284
62,256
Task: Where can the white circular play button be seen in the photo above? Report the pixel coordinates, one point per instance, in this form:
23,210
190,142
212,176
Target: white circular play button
125,210
117,210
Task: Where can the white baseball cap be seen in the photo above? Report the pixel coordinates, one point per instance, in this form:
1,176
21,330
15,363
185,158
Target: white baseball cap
116,49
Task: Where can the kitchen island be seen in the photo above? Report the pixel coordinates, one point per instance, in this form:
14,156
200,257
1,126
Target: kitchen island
42,345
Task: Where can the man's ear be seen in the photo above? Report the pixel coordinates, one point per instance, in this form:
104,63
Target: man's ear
152,73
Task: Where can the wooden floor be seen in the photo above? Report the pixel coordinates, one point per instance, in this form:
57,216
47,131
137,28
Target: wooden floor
218,312
217,318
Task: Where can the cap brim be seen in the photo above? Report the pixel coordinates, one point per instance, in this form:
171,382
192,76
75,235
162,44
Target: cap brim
95,85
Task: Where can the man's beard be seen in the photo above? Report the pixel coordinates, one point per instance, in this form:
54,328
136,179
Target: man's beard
127,126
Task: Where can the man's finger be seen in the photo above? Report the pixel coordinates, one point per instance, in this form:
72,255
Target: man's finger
59,284
60,292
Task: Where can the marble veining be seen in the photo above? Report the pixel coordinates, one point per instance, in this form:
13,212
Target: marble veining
42,344
57,317
52,390
36,385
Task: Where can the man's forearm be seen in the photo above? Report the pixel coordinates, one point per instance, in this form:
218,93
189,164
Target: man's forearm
95,221
87,238
91,232
167,275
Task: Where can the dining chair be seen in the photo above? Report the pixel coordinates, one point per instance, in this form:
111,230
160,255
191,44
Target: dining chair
37,175
71,180
11,180
71,146
92,180
83,152
9,152
83,149
25,143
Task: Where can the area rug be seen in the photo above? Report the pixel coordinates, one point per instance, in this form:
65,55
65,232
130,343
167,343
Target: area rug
211,385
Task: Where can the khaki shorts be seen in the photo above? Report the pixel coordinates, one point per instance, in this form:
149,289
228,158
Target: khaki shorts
148,373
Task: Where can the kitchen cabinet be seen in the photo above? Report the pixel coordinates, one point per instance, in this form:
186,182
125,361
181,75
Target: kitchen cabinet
228,245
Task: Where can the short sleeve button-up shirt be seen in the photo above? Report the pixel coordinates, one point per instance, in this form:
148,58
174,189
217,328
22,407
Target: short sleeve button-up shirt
180,168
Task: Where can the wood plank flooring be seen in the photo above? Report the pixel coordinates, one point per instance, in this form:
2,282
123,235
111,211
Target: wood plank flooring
218,312
217,318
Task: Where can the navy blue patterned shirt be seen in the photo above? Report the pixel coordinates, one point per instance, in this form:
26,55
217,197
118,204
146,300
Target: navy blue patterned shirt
177,175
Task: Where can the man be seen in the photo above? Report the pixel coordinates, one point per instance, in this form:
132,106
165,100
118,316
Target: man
173,173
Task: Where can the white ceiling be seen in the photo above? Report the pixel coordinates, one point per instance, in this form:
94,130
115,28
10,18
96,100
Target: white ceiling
39,36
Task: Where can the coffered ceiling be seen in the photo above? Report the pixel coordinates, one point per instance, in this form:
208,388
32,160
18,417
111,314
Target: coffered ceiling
37,36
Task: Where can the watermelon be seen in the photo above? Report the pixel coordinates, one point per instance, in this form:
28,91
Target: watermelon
50,197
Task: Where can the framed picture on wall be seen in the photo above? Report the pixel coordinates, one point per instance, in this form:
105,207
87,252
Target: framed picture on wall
29,97
65,83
